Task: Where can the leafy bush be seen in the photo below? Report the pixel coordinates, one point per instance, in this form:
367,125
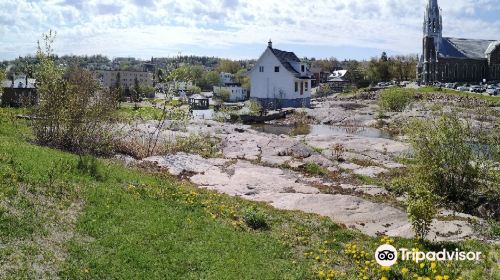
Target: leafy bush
395,99
446,160
421,210
74,113
255,219
254,106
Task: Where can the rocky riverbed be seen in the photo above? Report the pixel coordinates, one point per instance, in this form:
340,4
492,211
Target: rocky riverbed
273,168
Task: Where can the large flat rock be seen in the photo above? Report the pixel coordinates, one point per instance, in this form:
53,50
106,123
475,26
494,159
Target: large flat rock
289,190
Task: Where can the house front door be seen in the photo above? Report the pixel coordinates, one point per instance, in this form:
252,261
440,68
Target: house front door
301,88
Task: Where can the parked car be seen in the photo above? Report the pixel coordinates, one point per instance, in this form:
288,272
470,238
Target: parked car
450,85
476,89
493,91
463,88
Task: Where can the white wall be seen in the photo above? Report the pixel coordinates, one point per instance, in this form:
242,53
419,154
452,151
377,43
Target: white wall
236,93
270,84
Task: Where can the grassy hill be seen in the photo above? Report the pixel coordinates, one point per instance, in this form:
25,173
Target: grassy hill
62,216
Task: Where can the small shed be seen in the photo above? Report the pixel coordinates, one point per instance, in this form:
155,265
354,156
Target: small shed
198,102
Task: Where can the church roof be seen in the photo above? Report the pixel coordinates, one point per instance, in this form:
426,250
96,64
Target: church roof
286,58
464,48
492,47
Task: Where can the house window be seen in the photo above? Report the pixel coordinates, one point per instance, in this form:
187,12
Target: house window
276,69
296,86
302,68
261,69
306,84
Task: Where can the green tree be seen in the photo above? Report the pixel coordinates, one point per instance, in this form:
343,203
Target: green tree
161,76
242,78
73,112
210,79
228,66
136,92
222,94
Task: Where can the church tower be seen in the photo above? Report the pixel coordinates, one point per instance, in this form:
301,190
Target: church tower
433,23
433,33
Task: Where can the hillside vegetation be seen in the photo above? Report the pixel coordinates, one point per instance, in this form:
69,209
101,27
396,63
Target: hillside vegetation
65,216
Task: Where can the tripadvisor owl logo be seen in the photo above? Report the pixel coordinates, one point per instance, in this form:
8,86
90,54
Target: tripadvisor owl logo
386,255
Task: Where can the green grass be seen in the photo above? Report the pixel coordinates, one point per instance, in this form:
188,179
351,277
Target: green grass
492,100
127,112
59,220
314,169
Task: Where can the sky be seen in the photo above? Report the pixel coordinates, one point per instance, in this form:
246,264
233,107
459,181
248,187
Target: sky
236,29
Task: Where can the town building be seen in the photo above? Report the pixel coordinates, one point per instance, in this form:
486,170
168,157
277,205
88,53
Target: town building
319,75
446,59
127,78
226,78
234,90
279,80
19,92
229,86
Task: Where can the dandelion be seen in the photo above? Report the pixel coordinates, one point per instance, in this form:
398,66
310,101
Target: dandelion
422,265
384,278
404,270
321,274
439,277
433,265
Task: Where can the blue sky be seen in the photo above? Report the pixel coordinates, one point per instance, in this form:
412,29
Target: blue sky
236,28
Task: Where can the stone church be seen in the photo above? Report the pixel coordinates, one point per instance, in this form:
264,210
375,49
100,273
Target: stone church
447,59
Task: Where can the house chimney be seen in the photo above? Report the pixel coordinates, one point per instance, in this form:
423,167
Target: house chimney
270,44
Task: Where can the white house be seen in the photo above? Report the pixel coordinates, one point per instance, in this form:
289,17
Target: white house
226,78
227,83
279,80
236,92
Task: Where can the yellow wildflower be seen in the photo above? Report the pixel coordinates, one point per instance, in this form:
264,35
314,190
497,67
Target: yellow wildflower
404,270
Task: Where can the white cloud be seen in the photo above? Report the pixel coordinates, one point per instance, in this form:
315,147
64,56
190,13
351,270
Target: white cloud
162,27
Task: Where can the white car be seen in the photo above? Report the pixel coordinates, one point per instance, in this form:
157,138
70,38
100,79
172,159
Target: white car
463,88
493,91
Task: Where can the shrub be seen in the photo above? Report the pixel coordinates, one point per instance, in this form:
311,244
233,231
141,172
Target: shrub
222,94
395,99
254,106
421,210
338,152
74,113
447,162
255,219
